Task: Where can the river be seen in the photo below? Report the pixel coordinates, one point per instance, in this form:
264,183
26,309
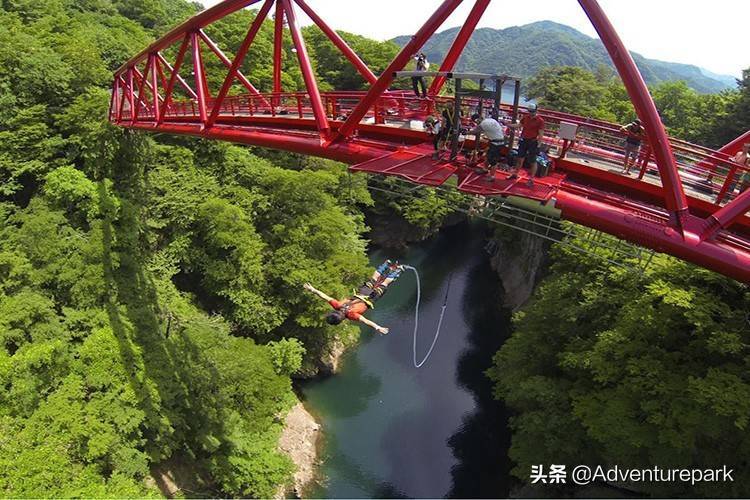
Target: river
392,430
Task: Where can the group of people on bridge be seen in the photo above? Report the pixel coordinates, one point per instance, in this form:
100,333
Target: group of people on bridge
495,130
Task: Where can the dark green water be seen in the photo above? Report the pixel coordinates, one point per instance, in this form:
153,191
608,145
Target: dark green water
392,430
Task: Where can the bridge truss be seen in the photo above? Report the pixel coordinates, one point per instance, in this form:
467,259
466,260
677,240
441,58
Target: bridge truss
682,201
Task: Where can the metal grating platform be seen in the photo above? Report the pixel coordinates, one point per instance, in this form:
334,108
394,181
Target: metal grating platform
412,166
501,185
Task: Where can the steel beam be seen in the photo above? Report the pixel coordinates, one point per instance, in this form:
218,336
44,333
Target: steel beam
162,77
239,57
180,80
278,47
398,63
174,78
674,195
123,98
226,62
307,71
113,99
462,38
735,145
140,78
208,16
131,93
339,42
142,87
200,77
155,85
728,214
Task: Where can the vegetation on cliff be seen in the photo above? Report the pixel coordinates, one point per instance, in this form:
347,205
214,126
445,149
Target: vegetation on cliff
150,305
609,366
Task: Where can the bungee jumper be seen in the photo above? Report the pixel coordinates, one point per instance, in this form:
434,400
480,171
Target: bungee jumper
363,299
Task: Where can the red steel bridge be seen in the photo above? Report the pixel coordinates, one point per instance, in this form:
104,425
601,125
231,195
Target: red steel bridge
682,199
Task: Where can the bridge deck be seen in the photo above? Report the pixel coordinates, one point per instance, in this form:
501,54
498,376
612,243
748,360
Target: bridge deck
688,210
587,184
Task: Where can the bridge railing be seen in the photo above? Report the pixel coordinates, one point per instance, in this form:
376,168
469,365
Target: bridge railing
705,173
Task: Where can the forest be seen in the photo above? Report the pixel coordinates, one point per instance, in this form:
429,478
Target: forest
635,368
151,313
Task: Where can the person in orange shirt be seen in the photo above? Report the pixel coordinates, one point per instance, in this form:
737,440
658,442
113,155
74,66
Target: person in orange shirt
355,306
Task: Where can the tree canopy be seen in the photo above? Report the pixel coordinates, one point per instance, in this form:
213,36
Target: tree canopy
613,366
150,289
707,119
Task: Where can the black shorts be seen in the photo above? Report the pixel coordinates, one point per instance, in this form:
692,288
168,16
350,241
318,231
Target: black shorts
444,133
371,291
493,154
529,149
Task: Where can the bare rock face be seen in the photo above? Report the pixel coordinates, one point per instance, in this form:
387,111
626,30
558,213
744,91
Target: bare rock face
298,440
520,261
329,362
393,232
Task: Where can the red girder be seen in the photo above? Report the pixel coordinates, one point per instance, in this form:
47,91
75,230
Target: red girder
200,77
174,71
735,145
402,58
144,84
674,197
307,72
226,62
654,212
278,46
462,38
241,53
339,42
155,86
174,78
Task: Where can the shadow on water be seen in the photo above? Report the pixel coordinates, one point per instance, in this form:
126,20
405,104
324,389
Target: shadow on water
356,391
352,473
481,445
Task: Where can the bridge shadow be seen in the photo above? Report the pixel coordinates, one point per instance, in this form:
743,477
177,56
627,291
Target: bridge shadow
351,473
178,403
482,442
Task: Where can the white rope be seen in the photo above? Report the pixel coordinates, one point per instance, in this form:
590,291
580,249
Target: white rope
416,319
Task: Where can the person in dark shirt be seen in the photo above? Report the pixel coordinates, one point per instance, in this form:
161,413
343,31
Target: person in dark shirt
422,65
433,127
634,131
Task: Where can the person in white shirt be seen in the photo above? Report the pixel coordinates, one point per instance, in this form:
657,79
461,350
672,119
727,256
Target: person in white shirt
494,130
422,65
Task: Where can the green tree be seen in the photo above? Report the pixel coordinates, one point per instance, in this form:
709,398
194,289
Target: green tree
567,88
335,70
657,376
737,120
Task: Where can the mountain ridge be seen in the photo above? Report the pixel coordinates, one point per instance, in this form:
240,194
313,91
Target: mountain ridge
506,50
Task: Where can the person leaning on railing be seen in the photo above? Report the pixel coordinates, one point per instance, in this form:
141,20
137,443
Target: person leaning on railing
743,158
635,132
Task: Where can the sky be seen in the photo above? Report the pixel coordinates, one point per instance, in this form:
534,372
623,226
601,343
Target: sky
683,31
